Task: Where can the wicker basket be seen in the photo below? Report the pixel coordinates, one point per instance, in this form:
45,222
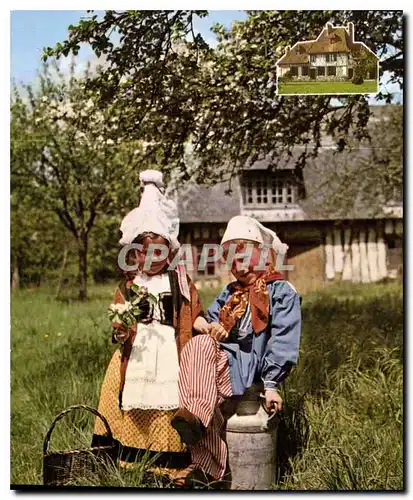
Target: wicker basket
63,467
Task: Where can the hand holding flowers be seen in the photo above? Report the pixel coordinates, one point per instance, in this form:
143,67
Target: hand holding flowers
124,315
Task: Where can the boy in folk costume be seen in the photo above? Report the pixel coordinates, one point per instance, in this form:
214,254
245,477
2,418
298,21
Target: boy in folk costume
254,332
139,394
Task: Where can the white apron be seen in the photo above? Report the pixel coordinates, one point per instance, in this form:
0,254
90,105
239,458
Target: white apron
151,379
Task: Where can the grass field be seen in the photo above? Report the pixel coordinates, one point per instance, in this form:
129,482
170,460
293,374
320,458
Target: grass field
368,87
342,424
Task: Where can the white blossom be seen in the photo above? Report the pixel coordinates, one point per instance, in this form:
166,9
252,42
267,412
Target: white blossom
61,124
89,104
120,308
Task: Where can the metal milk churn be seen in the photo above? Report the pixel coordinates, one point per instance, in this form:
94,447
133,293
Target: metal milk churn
251,439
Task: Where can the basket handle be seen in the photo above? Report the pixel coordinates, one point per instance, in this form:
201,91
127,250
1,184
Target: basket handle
69,410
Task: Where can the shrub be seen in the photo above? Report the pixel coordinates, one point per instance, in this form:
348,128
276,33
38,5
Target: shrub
357,80
288,76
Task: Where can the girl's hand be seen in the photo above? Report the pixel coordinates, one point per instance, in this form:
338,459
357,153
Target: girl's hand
214,329
120,333
218,332
201,325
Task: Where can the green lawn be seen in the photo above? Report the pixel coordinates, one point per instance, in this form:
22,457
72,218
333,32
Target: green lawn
342,424
368,87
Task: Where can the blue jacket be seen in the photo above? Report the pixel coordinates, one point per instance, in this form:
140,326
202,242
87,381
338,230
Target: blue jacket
270,354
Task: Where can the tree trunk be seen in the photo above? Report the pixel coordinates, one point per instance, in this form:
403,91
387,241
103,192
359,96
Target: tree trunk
15,281
62,273
82,278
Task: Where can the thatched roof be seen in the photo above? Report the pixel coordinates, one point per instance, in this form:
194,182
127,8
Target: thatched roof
213,205
331,40
209,204
298,54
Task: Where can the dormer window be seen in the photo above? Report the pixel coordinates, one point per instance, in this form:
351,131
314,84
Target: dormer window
334,38
268,189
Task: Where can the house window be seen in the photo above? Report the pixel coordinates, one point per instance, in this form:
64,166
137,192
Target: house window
331,58
305,70
268,190
249,191
331,70
294,70
261,191
276,192
321,71
289,192
313,59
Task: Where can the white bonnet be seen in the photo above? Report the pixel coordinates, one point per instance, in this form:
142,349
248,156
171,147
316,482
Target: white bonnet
155,213
242,227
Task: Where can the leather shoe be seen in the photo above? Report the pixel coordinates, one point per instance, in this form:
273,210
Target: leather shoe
189,427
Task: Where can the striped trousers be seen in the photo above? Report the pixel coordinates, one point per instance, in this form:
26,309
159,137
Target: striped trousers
204,382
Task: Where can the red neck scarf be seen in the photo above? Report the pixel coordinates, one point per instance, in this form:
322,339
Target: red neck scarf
257,295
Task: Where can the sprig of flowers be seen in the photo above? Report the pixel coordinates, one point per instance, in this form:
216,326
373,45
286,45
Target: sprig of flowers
141,293
129,312
122,313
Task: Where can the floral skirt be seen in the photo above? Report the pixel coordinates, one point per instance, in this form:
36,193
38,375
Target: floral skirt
137,432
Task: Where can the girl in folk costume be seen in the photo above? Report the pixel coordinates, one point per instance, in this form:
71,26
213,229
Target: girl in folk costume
253,333
139,394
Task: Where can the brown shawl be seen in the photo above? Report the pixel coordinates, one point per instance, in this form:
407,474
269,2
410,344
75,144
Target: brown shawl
257,295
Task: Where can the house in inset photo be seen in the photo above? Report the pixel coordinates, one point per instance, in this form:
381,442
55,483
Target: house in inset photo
334,63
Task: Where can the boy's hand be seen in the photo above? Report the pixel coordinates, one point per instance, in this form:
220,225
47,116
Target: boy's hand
273,401
218,332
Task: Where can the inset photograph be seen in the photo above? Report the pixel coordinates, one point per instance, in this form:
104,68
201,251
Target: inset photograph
334,63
